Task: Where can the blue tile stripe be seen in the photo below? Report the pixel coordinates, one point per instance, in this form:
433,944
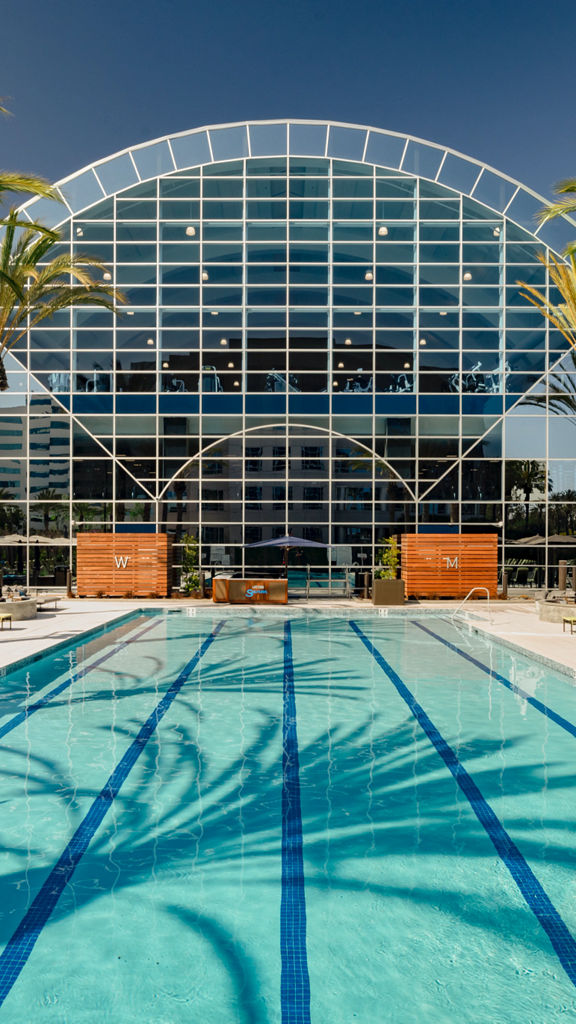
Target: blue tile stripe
533,701
15,955
31,709
536,897
295,980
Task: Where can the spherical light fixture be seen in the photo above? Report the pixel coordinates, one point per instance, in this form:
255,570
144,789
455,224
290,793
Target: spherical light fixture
382,231
190,231
223,341
347,341
467,276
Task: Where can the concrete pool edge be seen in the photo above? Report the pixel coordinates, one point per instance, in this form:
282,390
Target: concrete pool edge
89,633
542,659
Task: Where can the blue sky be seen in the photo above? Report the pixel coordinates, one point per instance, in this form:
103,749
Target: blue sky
491,78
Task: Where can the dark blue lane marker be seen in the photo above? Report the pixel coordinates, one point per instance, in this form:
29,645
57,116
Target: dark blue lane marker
532,891
295,981
17,720
533,701
16,953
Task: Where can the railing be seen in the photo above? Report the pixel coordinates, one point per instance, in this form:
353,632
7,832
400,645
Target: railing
329,583
469,594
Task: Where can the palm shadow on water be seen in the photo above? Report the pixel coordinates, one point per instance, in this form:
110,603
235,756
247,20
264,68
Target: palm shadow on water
218,811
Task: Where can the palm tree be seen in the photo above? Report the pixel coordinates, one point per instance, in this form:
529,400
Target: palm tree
562,208
34,286
562,275
527,476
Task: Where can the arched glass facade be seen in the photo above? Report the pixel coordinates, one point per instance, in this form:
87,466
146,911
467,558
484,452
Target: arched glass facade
324,333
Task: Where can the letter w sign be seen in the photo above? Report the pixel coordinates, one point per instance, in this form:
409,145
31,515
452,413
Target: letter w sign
121,561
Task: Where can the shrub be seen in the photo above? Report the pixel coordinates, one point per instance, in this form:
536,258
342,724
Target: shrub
389,558
190,578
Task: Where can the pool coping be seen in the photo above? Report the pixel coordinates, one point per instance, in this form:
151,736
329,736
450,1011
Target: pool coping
542,659
105,627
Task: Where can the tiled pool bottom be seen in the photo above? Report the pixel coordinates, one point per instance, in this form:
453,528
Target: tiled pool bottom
287,817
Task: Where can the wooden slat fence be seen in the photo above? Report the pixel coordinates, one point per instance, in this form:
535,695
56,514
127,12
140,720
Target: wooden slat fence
117,564
449,564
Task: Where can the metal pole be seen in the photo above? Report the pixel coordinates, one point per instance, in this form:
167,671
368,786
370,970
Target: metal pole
69,583
562,572
504,584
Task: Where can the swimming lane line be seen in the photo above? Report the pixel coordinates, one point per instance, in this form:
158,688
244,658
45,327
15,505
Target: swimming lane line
31,709
17,952
295,979
534,894
533,701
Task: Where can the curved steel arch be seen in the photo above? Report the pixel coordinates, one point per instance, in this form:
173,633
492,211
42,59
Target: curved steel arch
278,137
285,427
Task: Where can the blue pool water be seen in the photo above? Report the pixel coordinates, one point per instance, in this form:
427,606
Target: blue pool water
283,817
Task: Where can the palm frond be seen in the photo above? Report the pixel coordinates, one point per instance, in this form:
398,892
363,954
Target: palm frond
567,185
563,208
563,276
14,181
38,228
12,285
35,284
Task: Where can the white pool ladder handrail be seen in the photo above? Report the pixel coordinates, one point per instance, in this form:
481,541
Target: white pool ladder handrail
469,594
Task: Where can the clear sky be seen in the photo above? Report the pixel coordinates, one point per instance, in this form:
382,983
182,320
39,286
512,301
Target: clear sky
491,78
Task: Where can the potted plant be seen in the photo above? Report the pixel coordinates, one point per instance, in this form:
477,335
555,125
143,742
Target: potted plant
190,577
386,588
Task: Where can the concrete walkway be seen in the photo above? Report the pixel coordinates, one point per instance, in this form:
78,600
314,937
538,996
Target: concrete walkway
514,622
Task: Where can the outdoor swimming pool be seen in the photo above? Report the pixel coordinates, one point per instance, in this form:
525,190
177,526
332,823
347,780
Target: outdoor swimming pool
285,816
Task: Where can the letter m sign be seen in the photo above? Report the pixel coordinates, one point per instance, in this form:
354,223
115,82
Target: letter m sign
451,563
121,561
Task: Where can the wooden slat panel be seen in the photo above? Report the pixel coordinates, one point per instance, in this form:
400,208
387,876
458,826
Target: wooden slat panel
449,564
116,564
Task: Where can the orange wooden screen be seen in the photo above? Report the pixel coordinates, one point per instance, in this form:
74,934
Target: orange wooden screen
449,564
116,564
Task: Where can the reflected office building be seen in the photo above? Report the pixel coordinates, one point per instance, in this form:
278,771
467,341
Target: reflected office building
323,334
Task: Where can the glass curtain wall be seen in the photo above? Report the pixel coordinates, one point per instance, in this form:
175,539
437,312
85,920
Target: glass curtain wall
310,344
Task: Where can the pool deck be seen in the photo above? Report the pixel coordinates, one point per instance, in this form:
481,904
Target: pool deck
516,623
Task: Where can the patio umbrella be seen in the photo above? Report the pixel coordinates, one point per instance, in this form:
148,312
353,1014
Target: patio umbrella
287,542
36,538
536,538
